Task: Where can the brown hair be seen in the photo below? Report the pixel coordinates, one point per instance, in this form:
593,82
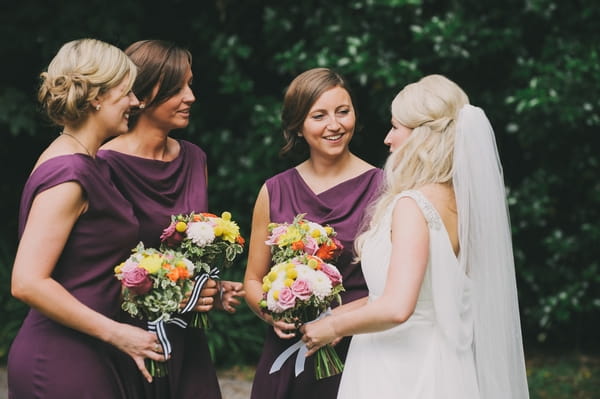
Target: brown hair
160,63
300,96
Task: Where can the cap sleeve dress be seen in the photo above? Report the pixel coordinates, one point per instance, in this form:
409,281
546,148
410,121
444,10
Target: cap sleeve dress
47,359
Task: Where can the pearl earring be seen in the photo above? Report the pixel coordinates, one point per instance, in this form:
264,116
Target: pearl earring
98,107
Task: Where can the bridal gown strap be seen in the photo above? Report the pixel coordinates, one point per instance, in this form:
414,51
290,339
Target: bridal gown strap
430,355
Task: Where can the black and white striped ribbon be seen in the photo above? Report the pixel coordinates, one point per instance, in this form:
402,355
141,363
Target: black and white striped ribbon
199,282
158,327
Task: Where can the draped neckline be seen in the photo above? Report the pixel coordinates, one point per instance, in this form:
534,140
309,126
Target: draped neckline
332,188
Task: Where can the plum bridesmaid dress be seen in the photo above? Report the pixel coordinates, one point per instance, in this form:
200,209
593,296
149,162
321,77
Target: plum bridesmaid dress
342,207
48,360
158,189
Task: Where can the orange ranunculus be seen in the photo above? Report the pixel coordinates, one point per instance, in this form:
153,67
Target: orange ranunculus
240,240
326,252
209,215
183,272
298,245
173,274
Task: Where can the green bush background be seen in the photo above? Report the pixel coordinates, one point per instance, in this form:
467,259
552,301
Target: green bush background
533,66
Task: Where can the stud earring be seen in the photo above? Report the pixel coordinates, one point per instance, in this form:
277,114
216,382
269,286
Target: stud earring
98,107
142,106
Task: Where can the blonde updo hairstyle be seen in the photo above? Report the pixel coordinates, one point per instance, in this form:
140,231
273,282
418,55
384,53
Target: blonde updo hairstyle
429,107
81,71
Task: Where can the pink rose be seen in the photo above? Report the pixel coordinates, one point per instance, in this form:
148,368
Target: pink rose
301,289
338,244
275,233
287,299
310,245
332,272
171,236
137,281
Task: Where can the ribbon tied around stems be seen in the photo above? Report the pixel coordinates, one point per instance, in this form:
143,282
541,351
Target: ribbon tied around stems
199,282
300,347
158,326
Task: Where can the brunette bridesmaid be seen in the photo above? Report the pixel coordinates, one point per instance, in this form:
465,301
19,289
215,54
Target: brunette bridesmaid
333,186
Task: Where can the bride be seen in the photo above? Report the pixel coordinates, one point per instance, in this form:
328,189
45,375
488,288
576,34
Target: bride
442,318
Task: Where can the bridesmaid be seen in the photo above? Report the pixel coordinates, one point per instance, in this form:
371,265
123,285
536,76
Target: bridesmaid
74,227
162,176
333,186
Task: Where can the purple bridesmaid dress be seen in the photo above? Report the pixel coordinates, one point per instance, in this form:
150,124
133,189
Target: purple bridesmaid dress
48,360
157,190
342,207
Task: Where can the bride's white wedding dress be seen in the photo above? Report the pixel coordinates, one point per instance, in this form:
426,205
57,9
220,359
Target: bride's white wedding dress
430,356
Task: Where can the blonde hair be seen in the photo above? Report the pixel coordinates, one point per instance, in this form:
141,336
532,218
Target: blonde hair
81,70
429,107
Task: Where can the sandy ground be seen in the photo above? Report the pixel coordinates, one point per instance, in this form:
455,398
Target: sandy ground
234,384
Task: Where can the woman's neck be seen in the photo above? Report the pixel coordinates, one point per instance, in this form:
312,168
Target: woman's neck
329,167
148,142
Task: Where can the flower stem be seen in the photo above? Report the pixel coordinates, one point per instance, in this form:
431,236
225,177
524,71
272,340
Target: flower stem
327,363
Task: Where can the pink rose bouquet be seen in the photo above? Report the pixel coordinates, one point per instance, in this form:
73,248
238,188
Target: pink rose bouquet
300,290
154,284
210,242
302,237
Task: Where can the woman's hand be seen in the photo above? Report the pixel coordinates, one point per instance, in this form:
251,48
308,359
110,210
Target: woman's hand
230,291
206,299
318,333
139,344
283,329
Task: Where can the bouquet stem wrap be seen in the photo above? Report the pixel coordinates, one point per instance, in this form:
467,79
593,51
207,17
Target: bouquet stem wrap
159,369
200,319
328,363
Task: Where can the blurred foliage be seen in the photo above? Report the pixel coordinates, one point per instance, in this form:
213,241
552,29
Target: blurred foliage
565,376
532,65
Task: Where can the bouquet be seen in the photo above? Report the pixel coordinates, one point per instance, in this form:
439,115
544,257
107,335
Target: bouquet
301,290
302,237
154,284
210,242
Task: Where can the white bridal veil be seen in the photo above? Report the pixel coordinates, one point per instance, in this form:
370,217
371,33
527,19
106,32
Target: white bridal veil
487,257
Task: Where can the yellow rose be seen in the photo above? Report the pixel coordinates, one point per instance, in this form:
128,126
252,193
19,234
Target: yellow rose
152,263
